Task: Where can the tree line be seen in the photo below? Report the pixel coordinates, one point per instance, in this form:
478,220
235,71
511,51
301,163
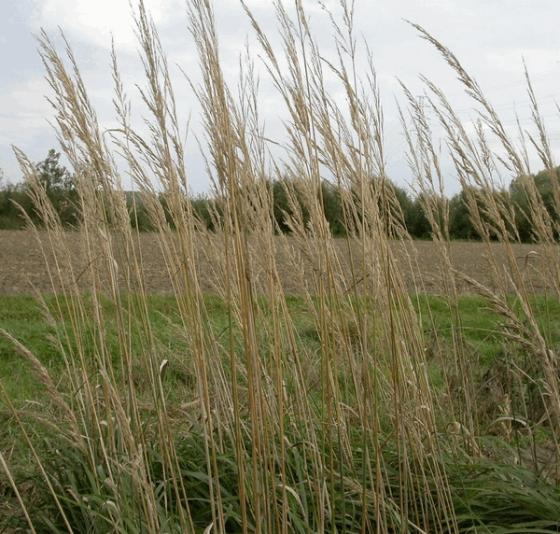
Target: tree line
59,185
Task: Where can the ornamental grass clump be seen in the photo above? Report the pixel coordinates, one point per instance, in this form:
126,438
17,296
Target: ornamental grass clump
245,424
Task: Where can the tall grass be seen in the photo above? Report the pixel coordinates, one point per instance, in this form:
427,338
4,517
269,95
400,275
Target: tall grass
268,433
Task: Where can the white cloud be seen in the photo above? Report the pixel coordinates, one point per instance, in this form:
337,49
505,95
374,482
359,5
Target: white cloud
24,111
96,20
539,60
23,122
490,39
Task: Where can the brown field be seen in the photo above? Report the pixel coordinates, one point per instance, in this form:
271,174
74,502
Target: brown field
22,266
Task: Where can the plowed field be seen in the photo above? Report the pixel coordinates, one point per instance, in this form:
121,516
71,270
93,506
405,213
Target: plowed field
22,264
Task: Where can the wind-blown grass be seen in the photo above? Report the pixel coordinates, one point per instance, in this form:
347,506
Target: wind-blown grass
226,415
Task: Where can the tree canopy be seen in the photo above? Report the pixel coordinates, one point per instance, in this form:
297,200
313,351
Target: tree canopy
59,185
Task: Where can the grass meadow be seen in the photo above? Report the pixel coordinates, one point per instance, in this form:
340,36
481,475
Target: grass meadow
360,403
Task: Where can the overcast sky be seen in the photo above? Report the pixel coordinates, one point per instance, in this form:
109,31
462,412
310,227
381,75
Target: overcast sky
489,36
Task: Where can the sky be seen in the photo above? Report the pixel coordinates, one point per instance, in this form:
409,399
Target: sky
490,37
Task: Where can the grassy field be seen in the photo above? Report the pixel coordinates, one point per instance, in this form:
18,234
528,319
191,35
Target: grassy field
497,490
24,318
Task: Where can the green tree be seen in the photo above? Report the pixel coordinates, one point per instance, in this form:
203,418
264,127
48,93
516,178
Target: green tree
59,185
12,199
207,211
332,207
53,176
282,190
280,204
406,204
460,224
418,225
545,188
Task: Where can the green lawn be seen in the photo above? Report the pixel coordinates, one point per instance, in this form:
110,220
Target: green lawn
491,491
22,317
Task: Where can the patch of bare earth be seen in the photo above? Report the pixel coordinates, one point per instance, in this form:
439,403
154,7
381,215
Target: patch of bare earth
23,266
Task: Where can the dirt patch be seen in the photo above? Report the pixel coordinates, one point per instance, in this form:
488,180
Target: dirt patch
23,268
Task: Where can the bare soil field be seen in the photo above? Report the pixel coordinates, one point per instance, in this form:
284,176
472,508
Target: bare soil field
22,265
